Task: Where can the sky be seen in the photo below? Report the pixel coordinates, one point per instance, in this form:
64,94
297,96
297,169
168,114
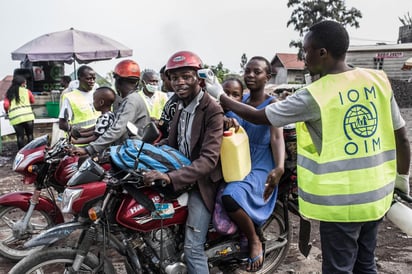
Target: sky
217,30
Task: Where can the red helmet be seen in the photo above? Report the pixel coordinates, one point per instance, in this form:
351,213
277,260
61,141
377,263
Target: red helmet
127,69
183,59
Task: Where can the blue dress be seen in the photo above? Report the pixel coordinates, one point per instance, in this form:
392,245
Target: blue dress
249,192
231,114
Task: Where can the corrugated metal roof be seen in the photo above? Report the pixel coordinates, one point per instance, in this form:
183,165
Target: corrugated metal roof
404,46
289,61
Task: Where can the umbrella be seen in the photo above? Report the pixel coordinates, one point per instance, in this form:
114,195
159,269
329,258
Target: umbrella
407,65
71,45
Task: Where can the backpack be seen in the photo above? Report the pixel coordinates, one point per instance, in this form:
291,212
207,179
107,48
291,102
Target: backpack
162,158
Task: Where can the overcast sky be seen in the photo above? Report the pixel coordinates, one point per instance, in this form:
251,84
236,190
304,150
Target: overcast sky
217,30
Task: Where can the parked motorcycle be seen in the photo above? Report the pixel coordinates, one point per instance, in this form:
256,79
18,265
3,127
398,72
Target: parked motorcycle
146,226
24,214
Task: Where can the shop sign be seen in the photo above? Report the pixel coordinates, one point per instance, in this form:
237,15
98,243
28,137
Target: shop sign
389,55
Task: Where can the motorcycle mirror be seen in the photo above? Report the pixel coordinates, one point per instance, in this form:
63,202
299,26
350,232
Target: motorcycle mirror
150,133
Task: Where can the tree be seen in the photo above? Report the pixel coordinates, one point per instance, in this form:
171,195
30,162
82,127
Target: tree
406,20
307,13
109,77
243,62
219,71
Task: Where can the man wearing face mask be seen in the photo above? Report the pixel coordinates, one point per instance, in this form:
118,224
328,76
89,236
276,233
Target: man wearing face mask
151,94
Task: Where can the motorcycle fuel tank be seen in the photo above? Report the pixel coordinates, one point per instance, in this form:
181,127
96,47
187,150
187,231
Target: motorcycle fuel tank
66,168
135,216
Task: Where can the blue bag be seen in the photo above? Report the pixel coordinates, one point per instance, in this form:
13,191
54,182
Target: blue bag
162,158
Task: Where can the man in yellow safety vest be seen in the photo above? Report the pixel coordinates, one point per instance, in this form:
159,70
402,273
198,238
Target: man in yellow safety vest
154,99
353,147
77,105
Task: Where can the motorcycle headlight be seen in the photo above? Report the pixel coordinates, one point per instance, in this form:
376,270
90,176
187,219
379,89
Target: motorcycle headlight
17,160
69,196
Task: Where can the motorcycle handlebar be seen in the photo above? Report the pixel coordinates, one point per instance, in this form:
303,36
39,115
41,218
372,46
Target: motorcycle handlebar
134,176
403,196
158,183
60,146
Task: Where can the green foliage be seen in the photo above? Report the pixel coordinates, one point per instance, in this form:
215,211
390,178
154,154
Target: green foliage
102,82
406,20
219,71
307,13
109,77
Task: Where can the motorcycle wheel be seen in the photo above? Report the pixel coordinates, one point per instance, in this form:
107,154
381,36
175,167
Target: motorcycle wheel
58,260
274,228
11,246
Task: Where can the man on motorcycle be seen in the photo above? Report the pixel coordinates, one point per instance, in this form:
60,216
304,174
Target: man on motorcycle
132,109
196,130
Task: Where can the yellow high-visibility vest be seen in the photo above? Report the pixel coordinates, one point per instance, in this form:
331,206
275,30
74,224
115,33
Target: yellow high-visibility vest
21,112
352,179
155,110
84,114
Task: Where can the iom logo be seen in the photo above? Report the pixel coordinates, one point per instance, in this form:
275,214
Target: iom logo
360,124
360,121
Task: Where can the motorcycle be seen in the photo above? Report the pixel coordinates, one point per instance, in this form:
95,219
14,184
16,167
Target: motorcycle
146,226
24,214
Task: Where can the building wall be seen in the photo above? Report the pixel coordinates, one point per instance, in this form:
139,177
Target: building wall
402,91
284,76
281,76
391,65
296,77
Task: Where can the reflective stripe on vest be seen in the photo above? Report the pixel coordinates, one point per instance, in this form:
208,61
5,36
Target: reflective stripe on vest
21,112
160,99
352,179
84,114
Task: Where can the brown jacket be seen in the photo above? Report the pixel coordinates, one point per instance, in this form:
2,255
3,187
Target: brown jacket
206,139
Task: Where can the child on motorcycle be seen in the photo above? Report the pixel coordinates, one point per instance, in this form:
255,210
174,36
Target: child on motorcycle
103,99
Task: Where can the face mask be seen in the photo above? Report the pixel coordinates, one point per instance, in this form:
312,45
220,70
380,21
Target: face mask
151,88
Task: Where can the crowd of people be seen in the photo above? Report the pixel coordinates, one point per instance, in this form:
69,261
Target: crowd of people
343,183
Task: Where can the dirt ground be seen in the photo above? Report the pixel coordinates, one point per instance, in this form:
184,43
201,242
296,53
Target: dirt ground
393,253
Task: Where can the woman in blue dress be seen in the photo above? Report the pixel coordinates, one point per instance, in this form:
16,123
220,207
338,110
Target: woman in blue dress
243,200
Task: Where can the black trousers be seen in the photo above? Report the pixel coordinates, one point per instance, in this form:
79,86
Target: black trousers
22,129
349,247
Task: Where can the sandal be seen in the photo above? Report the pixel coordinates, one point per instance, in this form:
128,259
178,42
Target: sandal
250,261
